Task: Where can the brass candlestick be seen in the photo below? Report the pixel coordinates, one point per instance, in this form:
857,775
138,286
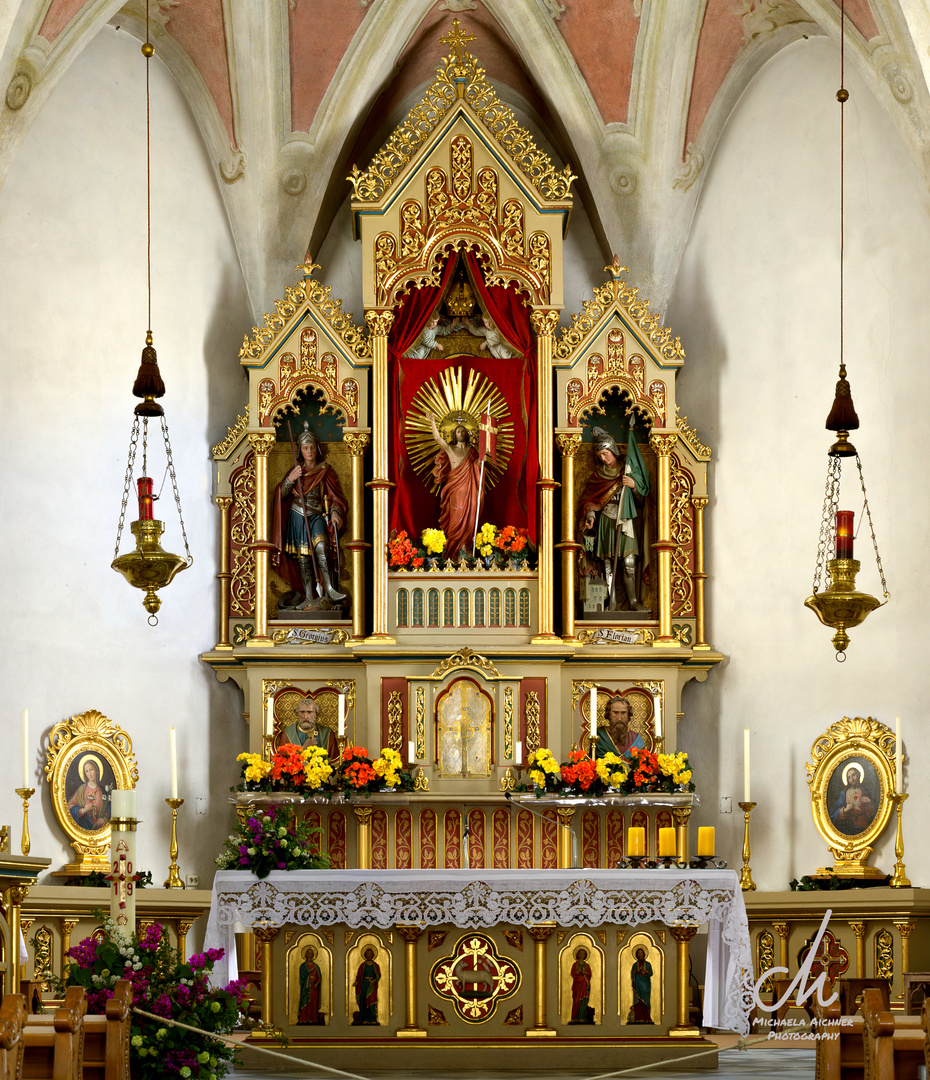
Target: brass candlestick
900,879
174,878
745,878
26,793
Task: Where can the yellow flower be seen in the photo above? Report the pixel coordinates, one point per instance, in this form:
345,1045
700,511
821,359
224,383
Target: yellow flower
538,778
434,540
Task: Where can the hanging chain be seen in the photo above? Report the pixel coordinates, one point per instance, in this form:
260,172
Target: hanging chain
174,485
133,441
831,502
145,446
868,514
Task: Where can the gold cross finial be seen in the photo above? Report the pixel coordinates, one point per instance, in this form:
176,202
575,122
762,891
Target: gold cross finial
457,40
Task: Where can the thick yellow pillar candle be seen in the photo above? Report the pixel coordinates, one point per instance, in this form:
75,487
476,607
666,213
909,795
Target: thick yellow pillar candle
706,842
636,842
668,848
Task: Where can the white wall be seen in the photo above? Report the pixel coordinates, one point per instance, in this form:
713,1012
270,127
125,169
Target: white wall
756,304
72,326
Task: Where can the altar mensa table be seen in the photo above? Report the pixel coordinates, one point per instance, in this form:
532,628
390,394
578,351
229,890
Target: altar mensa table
484,899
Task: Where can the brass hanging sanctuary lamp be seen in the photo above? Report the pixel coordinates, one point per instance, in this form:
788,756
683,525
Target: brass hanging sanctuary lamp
841,605
149,567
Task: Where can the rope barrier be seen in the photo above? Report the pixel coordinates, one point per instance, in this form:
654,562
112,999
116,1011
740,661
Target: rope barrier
230,1041
742,1044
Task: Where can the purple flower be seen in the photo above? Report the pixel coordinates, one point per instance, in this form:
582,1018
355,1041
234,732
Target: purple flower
162,1005
84,953
197,960
151,939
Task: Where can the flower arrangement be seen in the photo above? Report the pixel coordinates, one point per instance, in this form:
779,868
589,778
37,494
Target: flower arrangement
272,839
292,768
512,541
433,540
402,552
640,771
485,539
359,774
507,544
165,985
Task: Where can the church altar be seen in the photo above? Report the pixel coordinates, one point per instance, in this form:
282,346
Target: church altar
608,915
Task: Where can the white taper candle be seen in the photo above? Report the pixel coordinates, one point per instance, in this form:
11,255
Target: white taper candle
25,748
592,719
746,765
174,762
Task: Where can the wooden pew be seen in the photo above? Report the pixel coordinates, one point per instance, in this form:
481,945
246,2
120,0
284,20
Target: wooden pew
893,1051
12,1018
51,1045
73,1046
925,1024
840,1051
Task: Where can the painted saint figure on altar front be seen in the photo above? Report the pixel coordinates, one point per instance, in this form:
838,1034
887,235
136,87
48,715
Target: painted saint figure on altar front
310,511
367,979
582,1012
311,986
457,471
641,979
614,736
611,509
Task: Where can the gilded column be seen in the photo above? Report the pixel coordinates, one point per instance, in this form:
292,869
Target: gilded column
183,928
356,442
544,322
266,935
363,842
783,929
858,928
261,444
410,934
379,324
684,1028
540,934
568,444
699,576
67,928
224,502
663,445
567,837
16,897
681,815
905,929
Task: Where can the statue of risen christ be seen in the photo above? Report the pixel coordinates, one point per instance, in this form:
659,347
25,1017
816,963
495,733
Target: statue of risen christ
457,471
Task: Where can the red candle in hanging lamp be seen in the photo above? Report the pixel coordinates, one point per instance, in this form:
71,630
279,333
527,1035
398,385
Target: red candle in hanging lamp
844,534
146,499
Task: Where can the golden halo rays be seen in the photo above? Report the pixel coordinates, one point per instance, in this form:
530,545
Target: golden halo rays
453,401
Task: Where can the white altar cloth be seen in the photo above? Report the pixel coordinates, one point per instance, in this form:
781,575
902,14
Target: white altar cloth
473,899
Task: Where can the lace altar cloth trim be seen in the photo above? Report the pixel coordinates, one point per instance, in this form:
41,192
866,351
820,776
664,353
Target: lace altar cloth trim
384,898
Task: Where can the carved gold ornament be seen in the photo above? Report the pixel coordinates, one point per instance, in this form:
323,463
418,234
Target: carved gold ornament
74,746
232,435
465,658
618,293
851,780
459,73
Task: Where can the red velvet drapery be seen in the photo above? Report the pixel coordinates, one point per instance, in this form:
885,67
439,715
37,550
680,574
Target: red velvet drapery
513,499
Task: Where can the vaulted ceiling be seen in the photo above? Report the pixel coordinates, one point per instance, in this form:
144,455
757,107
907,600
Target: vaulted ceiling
633,94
